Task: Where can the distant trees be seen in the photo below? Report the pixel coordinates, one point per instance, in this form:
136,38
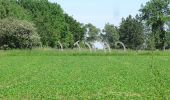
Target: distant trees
154,13
131,32
91,32
110,34
18,34
49,25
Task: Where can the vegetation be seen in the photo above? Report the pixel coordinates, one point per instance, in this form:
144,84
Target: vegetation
145,31
47,74
52,23
154,13
110,35
18,34
131,33
91,32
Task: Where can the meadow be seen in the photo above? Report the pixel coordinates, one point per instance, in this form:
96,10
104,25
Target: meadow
73,75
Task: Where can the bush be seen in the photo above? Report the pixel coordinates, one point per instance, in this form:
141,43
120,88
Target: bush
17,34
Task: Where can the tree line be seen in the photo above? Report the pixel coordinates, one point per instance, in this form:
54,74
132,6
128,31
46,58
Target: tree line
49,19
31,23
150,29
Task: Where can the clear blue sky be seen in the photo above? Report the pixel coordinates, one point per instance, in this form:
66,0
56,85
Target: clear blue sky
99,12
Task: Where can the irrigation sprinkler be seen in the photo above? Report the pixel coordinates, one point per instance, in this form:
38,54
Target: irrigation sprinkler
104,47
121,43
41,46
93,47
88,46
61,46
77,44
164,47
107,46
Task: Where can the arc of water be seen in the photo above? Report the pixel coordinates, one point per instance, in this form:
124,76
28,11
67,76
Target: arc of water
124,48
104,47
107,46
41,45
93,47
164,48
61,46
88,46
77,44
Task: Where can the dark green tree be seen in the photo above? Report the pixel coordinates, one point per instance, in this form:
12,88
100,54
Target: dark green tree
131,33
10,8
69,41
49,19
154,13
52,23
75,28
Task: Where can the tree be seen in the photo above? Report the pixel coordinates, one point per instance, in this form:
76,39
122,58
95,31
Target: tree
154,13
18,34
92,32
10,8
110,35
49,19
52,23
69,41
131,32
75,28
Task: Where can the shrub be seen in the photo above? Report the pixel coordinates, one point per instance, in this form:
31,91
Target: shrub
17,34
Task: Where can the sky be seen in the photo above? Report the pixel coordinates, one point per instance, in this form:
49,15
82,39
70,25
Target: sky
100,12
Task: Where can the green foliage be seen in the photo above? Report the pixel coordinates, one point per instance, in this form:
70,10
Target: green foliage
167,40
10,8
68,42
17,34
75,28
92,32
53,25
167,18
47,74
49,18
131,33
111,34
155,13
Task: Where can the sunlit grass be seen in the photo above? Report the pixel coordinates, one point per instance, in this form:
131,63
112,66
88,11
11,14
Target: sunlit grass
52,74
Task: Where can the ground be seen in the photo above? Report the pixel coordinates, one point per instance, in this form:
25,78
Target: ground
50,74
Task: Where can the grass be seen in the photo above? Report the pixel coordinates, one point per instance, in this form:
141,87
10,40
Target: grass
51,74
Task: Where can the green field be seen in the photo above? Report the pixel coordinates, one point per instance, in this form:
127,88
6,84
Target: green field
50,74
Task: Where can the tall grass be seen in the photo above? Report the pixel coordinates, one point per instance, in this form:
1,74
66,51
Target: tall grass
76,52
157,80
